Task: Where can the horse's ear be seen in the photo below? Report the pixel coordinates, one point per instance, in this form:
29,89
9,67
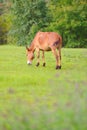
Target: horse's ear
27,48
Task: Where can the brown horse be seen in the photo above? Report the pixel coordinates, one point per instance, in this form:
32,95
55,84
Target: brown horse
45,41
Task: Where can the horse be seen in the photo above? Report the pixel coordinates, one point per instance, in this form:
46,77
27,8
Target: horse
45,41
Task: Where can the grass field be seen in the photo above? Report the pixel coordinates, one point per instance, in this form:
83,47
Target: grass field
38,98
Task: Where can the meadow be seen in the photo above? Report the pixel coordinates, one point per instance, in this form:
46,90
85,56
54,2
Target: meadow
43,98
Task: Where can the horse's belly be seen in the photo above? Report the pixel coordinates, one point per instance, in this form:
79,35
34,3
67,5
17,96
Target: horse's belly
45,49
48,49
44,46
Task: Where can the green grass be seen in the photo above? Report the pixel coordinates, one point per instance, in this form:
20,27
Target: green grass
38,98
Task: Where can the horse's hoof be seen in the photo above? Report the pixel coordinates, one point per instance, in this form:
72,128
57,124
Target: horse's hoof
44,64
37,64
58,67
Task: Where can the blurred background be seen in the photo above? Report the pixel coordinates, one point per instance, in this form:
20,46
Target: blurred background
21,19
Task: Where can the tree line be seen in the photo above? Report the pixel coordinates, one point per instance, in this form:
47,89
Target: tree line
68,18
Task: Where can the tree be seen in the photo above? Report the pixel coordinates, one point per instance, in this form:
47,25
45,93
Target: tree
69,19
29,17
3,25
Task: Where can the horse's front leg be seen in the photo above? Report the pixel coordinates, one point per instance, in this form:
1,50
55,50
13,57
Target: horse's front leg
38,57
43,58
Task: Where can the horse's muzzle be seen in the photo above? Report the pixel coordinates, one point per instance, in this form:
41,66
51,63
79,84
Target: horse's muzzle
29,63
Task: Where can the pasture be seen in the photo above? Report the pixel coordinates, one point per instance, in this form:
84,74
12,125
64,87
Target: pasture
43,98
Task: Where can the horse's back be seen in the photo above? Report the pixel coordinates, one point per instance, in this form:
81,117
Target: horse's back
47,39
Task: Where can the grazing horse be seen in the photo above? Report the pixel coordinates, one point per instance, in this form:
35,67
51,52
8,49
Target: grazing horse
45,41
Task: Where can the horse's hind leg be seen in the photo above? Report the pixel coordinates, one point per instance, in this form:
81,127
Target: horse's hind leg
57,56
43,58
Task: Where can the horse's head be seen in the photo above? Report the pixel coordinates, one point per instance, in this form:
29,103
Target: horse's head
30,55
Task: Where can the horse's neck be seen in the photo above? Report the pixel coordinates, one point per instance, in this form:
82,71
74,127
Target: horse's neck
32,47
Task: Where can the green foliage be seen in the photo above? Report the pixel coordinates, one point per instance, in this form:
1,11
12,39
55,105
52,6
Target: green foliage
38,98
5,21
3,30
